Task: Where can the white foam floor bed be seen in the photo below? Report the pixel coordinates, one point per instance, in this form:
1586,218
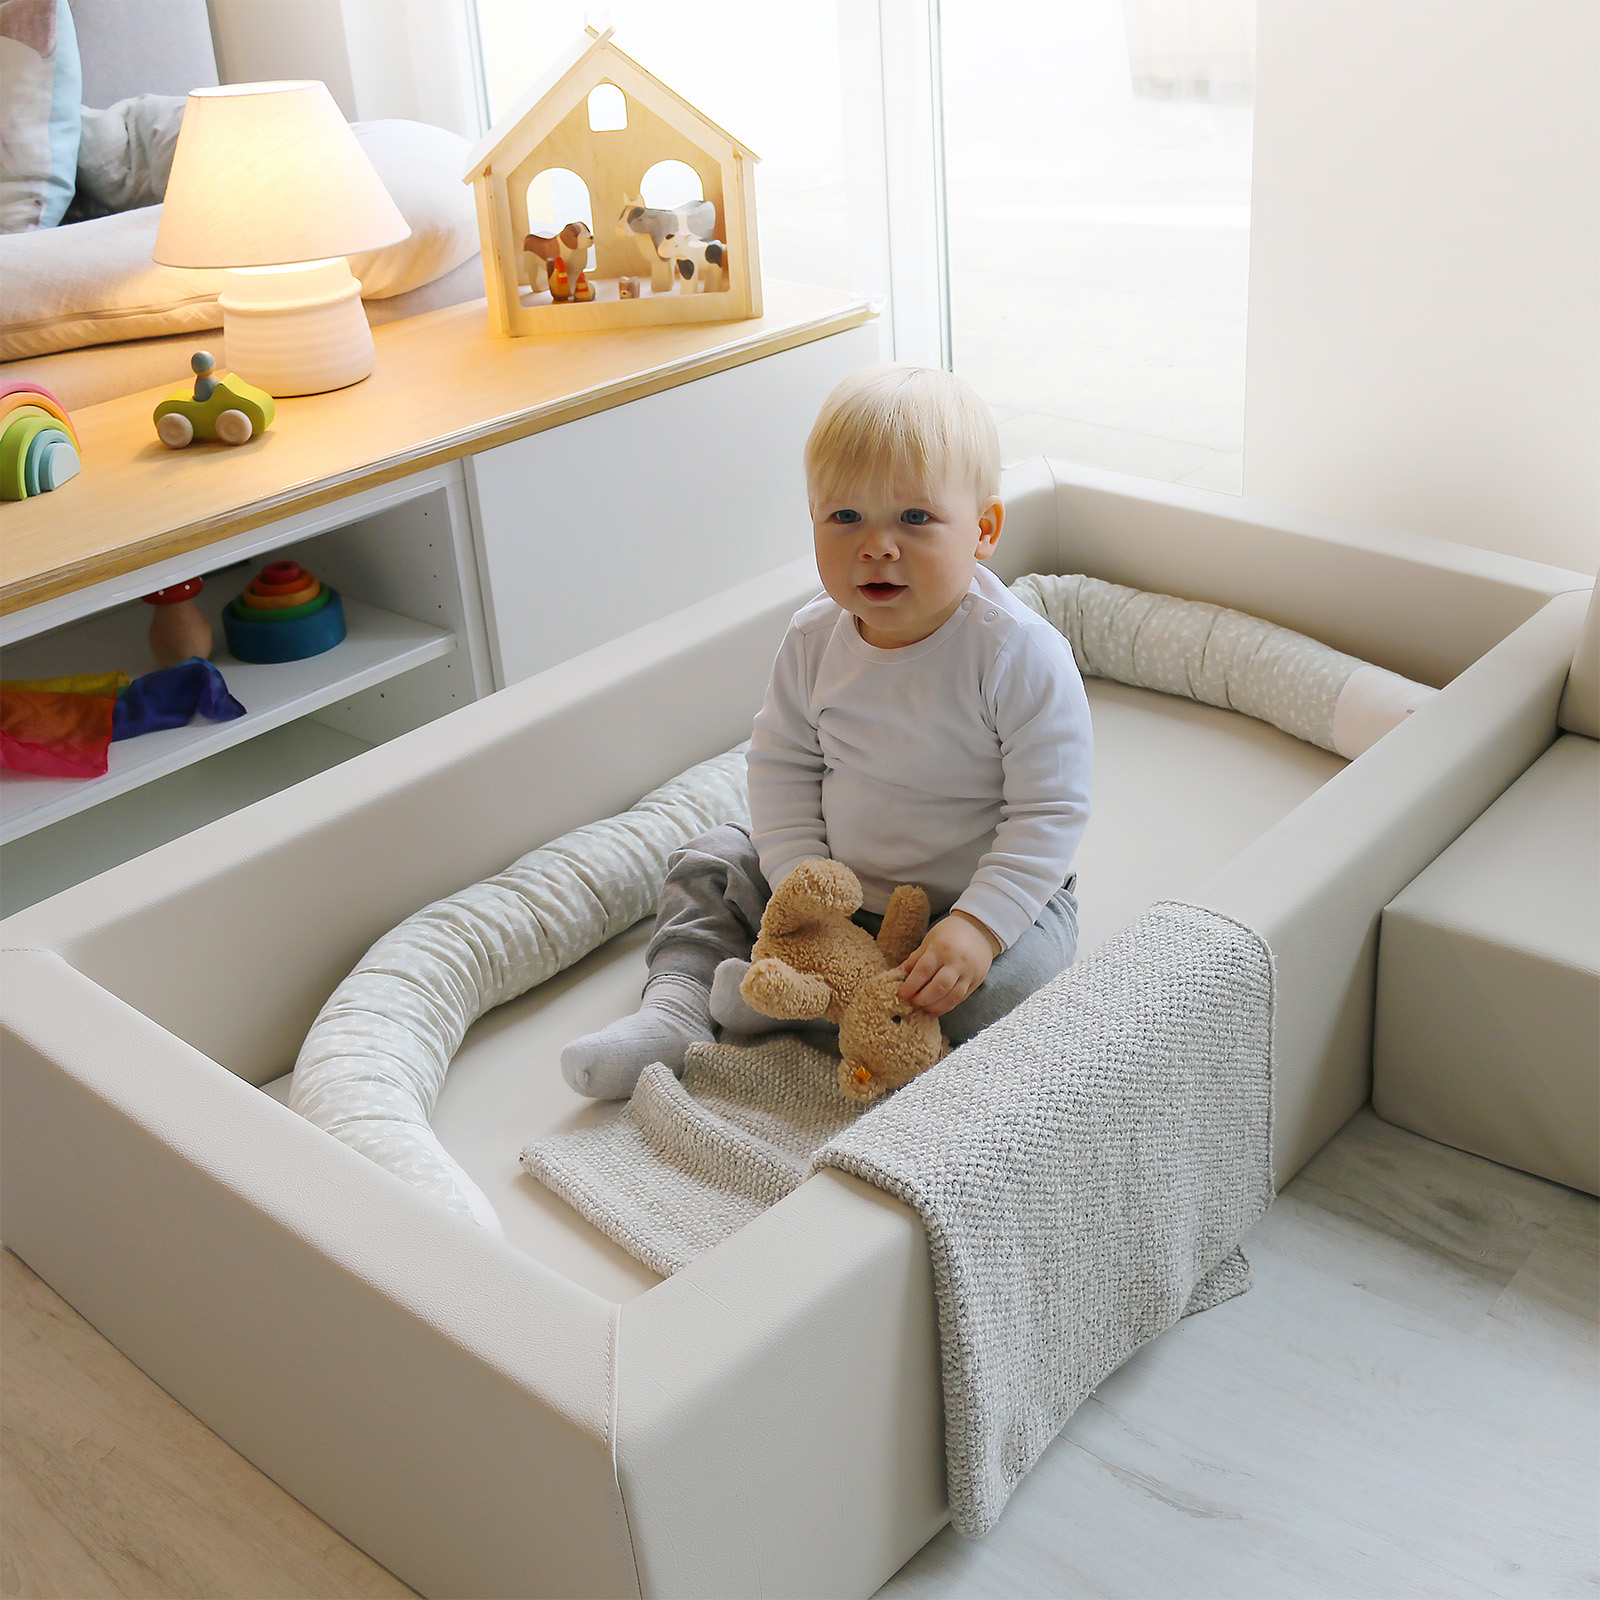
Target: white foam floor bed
540,1416
1180,789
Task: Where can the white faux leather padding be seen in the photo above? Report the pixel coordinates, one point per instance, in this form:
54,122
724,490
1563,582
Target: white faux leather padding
375,1059
95,282
1580,702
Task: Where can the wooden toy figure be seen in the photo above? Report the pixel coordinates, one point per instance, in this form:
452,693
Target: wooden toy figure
227,408
556,262
178,630
697,264
647,226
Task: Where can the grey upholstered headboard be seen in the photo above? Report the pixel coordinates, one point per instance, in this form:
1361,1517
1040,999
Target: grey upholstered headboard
143,47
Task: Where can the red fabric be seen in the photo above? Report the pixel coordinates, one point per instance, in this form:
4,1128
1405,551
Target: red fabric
55,735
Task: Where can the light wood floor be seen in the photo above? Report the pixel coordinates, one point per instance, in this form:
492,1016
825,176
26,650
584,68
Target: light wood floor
1407,1404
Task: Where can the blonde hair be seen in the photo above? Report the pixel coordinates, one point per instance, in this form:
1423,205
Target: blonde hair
904,423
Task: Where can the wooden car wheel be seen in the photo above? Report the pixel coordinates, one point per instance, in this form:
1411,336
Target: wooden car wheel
234,427
175,430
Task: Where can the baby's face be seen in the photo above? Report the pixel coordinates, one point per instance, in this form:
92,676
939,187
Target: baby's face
900,556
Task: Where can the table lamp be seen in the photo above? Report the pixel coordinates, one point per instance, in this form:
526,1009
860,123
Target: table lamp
269,180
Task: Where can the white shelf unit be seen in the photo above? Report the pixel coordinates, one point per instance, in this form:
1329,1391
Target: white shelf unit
378,646
402,558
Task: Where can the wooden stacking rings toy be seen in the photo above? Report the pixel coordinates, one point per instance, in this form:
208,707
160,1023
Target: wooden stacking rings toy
39,448
284,614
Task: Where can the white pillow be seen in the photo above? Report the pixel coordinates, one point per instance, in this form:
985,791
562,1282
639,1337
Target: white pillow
94,282
125,154
421,167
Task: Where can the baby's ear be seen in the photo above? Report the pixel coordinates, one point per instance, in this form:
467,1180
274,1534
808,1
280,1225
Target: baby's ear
990,522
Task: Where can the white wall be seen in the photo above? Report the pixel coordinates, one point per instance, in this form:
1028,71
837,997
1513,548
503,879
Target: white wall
1424,338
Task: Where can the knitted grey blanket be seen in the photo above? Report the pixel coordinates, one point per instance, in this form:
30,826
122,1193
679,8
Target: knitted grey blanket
683,1165
1085,1169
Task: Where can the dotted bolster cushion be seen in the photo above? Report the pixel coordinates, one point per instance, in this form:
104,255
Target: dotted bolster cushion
375,1059
1225,658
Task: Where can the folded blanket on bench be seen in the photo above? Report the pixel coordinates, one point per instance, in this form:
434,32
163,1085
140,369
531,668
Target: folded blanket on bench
1085,1169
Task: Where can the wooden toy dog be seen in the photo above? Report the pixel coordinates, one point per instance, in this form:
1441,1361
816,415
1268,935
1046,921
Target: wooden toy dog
556,262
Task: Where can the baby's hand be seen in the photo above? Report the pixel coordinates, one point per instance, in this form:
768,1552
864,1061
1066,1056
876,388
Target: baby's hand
949,964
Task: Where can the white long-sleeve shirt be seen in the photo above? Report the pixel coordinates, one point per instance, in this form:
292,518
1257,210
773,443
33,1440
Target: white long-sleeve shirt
960,763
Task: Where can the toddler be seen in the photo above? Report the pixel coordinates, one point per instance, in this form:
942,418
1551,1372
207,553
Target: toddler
921,725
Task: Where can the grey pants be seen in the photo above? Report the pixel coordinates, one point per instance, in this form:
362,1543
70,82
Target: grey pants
711,907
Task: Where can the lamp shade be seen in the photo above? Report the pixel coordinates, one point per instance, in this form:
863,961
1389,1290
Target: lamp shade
265,174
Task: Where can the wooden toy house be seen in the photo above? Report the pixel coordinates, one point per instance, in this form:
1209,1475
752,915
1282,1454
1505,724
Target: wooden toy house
561,125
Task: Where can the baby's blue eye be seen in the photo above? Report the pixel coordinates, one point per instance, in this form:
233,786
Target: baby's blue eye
916,518
846,515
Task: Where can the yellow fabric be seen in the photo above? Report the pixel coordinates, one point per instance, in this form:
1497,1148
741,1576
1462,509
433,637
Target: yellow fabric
99,683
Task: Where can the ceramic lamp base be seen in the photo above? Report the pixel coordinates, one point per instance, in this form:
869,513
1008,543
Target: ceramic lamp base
297,330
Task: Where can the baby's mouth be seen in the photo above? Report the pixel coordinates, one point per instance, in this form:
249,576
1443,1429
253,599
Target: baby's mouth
881,591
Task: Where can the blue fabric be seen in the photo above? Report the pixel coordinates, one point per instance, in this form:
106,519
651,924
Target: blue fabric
170,697
66,119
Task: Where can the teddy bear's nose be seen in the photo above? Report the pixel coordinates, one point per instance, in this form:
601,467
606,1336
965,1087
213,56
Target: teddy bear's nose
895,1017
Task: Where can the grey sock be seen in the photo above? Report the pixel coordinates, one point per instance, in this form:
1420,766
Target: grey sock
673,1015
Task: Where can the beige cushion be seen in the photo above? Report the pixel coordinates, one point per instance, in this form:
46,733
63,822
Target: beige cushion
1488,1009
95,282
1580,705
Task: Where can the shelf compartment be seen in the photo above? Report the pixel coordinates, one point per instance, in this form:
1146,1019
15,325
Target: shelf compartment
380,645
42,863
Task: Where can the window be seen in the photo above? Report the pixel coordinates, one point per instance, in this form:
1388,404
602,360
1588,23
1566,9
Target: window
557,197
672,183
1097,206
608,109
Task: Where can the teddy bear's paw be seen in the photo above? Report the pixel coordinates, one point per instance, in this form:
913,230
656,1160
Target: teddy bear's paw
775,989
905,921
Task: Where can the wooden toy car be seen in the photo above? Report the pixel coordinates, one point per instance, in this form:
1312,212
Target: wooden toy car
227,408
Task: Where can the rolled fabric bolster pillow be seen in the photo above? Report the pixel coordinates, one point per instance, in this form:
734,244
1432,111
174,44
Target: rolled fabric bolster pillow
1224,658
375,1059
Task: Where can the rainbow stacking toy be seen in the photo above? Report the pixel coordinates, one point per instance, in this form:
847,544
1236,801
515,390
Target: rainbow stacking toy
285,614
39,447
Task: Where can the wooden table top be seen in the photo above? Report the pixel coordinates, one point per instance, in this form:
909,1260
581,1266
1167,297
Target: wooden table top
443,388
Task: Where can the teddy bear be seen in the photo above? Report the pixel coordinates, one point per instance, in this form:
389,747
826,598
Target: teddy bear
810,960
